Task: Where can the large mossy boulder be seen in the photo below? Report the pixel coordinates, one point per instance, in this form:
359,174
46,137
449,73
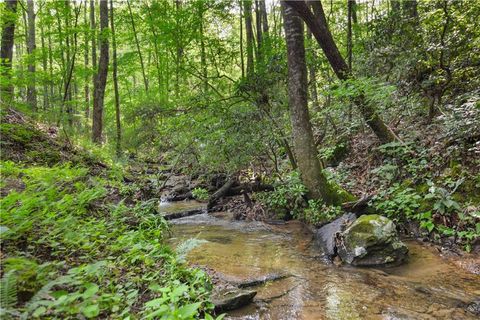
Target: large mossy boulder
371,240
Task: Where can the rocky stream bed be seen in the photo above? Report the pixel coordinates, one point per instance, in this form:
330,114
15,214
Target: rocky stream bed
303,285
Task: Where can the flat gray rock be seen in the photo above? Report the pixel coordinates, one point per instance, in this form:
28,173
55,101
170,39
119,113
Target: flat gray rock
231,299
325,236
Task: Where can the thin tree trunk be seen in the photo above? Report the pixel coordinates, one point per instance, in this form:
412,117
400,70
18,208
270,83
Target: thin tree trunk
22,75
304,146
258,24
31,46
69,65
69,88
242,60
93,28
249,32
161,84
101,81
142,65
64,66
203,54
44,67
179,50
264,17
86,87
317,24
395,7
50,64
6,51
115,84
350,4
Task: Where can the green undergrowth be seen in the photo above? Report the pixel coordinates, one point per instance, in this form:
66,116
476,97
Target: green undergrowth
445,204
69,251
288,200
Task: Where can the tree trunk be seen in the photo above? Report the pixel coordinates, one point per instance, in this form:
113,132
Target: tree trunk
31,46
350,4
63,65
410,9
101,80
44,68
70,64
50,65
317,24
247,8
115,85
304,146
203,54
258,24
264,17
161,84
86,87
93,28
313,77
395,5
179,50
6,53
142,65
242,60
70,89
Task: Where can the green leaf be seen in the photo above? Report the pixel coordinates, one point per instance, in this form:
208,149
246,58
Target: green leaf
92,288
155,303
39,311
189,310
91,311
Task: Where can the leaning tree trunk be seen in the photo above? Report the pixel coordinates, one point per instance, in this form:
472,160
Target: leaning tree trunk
317,24
9,18
101,79
304,145
31,45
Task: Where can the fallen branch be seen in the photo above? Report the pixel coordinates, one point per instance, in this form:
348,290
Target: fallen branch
221,192
358,207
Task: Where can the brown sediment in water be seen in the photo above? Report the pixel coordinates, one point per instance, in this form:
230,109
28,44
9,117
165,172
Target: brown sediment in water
426,287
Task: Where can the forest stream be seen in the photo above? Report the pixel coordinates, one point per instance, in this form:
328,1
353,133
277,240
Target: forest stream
426,287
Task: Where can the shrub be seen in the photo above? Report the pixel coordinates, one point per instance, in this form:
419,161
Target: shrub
200,194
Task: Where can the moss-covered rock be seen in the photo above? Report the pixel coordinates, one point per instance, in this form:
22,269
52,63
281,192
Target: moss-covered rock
370,241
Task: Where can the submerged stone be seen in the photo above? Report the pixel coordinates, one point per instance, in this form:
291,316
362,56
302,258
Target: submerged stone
231,299
371,240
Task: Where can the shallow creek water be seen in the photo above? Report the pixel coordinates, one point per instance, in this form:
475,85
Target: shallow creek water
426,287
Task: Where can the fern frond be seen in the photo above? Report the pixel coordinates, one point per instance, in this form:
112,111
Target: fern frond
43,294
8,290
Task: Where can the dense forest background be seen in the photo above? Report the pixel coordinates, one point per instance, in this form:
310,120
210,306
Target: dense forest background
328,103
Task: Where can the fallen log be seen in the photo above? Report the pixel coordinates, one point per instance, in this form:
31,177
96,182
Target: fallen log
182,214
248,188
358,207
221,192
